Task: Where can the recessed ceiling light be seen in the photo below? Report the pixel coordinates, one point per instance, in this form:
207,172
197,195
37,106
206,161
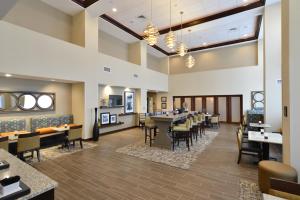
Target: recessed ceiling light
8,75
245,35
204,43
114,9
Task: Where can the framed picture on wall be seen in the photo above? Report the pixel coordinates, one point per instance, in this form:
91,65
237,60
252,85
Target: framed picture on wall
113,119
129,102
163,99
163,106
105,119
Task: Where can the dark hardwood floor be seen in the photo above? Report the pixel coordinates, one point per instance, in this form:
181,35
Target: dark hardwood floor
101,173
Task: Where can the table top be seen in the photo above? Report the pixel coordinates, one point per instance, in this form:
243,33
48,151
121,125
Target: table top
257,125
35,180
269,197
273,138
169,117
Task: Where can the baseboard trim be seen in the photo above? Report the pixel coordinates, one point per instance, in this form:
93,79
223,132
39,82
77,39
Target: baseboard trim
115,131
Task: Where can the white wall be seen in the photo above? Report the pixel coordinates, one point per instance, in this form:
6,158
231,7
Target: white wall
272,49
291,82
28,53
218,82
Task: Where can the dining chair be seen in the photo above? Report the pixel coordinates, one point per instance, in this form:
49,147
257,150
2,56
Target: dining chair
142,117
4,143
180,132
215,121
150,125
74,134
28,143
247,148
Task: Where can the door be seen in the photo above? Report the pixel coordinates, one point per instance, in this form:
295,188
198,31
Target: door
222,108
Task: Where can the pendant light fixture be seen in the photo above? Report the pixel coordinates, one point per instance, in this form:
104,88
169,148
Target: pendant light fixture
170,38
190,61
151,33
181,48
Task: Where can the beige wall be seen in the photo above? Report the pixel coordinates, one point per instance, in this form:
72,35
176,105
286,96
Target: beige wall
40,17
158,64
63,93
291,81
78,29
112,46
228,57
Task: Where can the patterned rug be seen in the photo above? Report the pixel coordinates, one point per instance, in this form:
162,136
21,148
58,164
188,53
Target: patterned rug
249,191
181,157
56,152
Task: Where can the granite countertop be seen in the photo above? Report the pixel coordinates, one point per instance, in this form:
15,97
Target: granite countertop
35,180
170,117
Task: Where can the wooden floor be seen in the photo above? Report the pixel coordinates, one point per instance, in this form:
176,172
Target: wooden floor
101,173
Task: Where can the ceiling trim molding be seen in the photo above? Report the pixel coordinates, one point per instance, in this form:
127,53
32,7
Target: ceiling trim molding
215,16
85,3
197,22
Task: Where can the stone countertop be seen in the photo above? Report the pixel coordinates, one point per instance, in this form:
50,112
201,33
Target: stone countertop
35,180
170,117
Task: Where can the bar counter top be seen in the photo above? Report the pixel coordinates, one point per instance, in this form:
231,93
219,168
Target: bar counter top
35,180
170,117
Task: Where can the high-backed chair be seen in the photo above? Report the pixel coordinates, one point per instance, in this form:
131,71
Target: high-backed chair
4,143
247,148
215,120
142,117
150,125
182,132
28,143
74,134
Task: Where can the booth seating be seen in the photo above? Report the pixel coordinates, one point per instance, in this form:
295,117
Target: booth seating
44,125
277,170
8,127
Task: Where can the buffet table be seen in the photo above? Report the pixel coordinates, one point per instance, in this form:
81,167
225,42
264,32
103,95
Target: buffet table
41,186
163,122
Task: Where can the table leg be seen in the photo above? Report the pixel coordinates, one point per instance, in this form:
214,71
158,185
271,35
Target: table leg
266,150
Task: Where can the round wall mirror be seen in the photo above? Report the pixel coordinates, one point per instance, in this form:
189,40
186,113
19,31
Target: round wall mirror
258,105
8,101
44,102
27,102
259,97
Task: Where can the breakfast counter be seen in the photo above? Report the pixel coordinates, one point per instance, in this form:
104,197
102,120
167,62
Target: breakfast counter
41,186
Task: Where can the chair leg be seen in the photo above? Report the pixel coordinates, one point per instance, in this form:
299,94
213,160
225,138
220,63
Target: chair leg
187,141
191,137
150,137
38,155
74,143
145,135
80,141
173,141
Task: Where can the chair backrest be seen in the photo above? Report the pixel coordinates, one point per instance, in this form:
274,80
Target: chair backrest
4,143
239,137
142,116
149,121
215,119
27,142
75,134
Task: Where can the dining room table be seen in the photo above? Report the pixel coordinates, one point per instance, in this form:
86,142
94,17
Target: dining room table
265,138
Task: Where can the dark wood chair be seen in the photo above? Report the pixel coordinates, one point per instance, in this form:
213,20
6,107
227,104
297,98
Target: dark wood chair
247,148
142,117
4,143
150,126
28,143
284,189
182,132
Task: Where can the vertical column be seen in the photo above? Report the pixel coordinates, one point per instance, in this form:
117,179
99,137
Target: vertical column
272,51
291,82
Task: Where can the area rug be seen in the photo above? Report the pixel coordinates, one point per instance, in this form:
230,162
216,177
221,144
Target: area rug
56,152
249,191
180,158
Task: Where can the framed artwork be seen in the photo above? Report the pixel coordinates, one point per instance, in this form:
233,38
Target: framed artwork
257,100
113,119
104,117
163,99
129,102
163,106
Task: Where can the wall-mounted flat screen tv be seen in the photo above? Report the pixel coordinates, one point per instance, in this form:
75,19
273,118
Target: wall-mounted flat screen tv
115,100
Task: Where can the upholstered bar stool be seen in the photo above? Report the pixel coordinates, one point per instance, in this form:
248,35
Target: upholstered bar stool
28,143
4,143
272,169
182,131
150,125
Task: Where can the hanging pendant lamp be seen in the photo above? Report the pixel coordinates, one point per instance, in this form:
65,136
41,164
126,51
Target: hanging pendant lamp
170,38
181,47
151,33
190,61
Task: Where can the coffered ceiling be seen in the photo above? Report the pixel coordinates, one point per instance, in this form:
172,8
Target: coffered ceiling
212,23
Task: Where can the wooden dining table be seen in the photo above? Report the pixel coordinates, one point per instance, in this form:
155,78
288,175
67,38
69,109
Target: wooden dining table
265,139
